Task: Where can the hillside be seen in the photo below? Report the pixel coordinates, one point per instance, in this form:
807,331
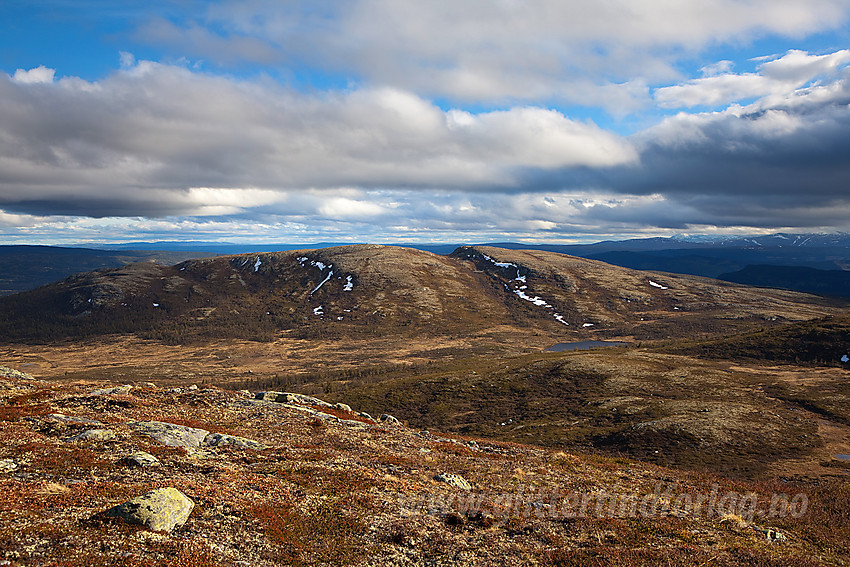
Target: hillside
290,480
23,268
367,290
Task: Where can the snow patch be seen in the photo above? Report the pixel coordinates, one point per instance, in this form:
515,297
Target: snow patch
349,285
560,318
658,285
587,325
155,304
324,281
845,358
535,300
319,310
257,264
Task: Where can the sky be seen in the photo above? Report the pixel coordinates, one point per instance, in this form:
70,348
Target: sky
462,121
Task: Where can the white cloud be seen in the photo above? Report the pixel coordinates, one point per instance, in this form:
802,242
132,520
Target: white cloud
778,77
479,50
37,75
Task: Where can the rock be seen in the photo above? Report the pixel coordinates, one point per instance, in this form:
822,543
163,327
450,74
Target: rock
8,465
454,480
7,372
387,418
171,434
141,459
289,397
160,510
117,391
193,387
224,440
72,419
268,396
342,407
94,435
365,415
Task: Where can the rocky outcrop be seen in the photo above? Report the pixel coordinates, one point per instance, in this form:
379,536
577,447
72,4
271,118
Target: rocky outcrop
159,510
7,372
172,434
289,398
187,437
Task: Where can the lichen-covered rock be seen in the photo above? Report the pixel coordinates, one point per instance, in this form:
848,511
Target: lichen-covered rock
289,398
72,419
171,434
224,440
7,372
454,480
94,435
342,407
117,390
387,418
141,459
160,510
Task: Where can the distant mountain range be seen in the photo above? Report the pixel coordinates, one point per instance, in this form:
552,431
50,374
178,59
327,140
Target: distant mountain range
812,263
369,290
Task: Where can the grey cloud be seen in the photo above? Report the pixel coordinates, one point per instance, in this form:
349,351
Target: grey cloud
477,50
152,134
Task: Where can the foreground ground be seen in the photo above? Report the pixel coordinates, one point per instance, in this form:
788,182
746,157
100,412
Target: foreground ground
335,487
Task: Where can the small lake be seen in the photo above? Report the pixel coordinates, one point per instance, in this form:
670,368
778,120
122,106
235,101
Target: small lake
842,457
583,345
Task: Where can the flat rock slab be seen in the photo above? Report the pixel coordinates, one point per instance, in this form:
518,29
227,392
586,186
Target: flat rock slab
8,465
72,419
160,510
94,435
171,434
118,390
224,440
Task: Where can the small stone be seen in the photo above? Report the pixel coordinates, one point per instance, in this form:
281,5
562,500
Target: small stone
342,407
454,480
116,391
141,459
365,415
171,434
8,465
94,435
224,440
159,510
387,418
193,387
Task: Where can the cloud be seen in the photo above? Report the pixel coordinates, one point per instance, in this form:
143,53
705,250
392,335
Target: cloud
778,77
143,140
38,75
599,53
